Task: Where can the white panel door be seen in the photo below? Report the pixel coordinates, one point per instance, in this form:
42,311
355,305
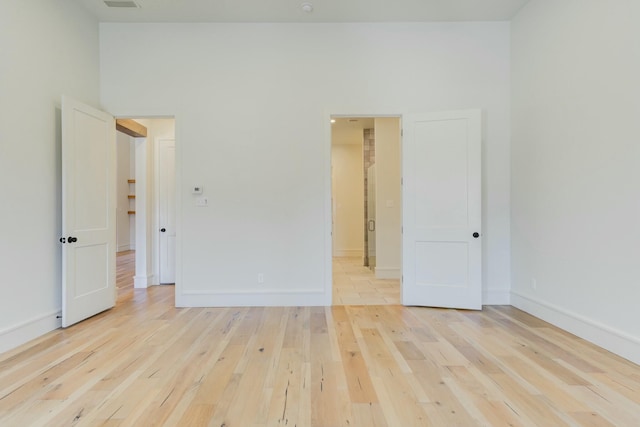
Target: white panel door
167,214
88,211
442,210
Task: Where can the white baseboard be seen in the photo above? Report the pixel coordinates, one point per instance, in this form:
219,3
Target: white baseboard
19,334
496,297
122,248
142,281
387,273
348,253
251,298
609,338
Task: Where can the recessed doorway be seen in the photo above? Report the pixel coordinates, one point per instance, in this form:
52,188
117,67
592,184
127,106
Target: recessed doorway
366,215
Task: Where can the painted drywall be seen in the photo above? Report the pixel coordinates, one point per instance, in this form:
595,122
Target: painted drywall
348,196
576,168
388,198
125,223
47,49
253,101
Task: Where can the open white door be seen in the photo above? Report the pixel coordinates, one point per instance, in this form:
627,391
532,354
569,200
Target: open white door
167,209
88,211
442,210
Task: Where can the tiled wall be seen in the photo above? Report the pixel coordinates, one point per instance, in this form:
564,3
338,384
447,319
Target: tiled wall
369,158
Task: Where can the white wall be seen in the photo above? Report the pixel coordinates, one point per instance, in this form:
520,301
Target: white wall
253,101
576,168
47,49
348,194
125,224
388,198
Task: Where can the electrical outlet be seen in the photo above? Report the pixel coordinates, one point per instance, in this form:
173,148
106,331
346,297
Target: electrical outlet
260,277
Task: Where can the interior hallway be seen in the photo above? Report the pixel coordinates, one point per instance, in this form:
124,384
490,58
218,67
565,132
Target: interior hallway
355,284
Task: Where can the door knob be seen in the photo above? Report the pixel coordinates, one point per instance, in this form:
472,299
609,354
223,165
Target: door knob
63,240
72,239
163,229
476,235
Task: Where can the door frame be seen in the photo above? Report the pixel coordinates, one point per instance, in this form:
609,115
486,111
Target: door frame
146,225
328,213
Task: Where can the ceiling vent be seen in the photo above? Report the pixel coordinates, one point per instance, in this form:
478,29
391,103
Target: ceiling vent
117,3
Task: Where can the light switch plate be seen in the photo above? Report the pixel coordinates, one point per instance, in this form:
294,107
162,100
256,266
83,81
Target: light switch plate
202,202
196,189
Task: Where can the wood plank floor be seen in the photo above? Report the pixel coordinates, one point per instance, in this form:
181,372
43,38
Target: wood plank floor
355,284
146,363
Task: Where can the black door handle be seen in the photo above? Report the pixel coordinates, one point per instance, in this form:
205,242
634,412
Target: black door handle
63,240
163,229
72,239
476,235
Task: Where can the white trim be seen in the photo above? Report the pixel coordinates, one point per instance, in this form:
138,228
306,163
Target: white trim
142,281
251,298
348,253
387,272
123,248
21,333
614,340
496,297
328,214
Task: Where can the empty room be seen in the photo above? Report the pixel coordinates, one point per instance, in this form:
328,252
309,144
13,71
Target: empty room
504,243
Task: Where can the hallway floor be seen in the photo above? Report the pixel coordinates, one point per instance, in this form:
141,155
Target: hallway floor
355,284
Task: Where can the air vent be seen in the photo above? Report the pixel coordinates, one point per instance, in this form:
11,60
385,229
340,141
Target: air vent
120,3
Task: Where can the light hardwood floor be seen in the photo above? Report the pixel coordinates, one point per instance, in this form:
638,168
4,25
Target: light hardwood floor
355,284
146,363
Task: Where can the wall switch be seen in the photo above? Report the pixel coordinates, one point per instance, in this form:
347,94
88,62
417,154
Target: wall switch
202,202
196,189
260,277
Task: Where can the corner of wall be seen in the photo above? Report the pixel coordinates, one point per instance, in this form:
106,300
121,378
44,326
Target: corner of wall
597,333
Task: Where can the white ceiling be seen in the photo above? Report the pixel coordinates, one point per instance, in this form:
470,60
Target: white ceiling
291,10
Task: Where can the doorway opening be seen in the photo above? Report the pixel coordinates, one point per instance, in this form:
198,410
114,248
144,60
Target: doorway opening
366,210
146,202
